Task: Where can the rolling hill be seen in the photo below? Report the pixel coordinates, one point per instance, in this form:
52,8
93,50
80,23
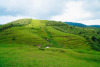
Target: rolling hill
49,33
94,26
69,45
39,32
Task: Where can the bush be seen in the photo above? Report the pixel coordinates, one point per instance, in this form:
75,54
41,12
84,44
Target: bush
55,23
98,32
13,38
93,38
96,46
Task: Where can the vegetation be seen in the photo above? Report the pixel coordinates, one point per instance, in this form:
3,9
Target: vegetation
90,34
23,42
21,22
28,56
41,32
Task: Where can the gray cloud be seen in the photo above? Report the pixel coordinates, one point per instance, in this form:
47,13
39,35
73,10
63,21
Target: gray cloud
36,8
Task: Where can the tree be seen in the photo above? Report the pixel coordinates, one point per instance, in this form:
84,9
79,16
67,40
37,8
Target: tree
98,32
99,40
93,38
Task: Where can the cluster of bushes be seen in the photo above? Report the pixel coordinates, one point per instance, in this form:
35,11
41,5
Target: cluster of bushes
55,23
98,32
21,22
96,46
95,39
95,43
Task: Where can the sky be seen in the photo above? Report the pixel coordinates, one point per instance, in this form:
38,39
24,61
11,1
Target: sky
80,11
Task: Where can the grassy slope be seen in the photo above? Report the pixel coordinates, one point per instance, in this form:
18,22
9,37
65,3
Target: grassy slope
38,33
28,56
18,50
23,35
67,40
92,35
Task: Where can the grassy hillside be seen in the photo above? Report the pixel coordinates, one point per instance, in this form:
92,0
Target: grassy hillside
92,35
52,33
40,32
69,45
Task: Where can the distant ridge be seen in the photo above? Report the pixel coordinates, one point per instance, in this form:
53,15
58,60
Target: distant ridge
76,24
80,24
94,26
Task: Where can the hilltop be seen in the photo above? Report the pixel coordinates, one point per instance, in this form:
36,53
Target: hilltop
40,32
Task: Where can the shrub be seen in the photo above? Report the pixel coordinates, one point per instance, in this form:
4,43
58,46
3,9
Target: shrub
93,38
96,46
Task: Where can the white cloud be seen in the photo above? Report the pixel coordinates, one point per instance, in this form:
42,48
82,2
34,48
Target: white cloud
73,12
6,19
90,22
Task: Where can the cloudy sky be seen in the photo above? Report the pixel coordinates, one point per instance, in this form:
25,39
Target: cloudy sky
81,11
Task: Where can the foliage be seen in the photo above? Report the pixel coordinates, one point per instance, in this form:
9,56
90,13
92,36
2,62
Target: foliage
55,23
52,33
90,34
19,42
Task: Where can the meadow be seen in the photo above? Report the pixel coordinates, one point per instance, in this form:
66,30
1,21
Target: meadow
17,55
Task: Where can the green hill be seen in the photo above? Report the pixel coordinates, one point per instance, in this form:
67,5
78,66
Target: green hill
40,32
69,45
51,33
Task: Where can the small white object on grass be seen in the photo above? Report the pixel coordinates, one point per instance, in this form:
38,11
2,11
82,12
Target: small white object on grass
47,47
27,46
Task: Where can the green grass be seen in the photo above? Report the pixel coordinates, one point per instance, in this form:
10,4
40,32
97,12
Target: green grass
86,32
68,48
29,56
67,40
